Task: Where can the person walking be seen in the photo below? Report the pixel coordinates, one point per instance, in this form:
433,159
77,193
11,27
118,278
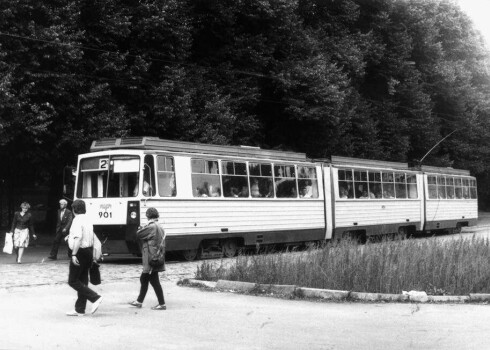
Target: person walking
22,227
152,239
80,241
63,225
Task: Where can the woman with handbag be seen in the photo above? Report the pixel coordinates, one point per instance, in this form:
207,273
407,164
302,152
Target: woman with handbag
21,228
152,238
81,243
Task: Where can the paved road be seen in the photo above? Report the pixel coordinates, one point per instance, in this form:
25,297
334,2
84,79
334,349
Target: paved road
34,297
33,318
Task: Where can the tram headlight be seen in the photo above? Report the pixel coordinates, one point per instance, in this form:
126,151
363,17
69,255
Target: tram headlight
133,215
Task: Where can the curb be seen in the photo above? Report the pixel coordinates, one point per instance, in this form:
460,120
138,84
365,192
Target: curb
479,297
327,294
293,291
198,283
378,297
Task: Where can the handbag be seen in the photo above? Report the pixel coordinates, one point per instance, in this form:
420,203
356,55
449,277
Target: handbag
94,273
158,259
9,244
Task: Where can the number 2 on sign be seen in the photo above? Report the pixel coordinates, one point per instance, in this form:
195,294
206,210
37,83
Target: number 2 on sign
105,214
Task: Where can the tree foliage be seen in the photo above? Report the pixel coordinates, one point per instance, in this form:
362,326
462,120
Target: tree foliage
381,79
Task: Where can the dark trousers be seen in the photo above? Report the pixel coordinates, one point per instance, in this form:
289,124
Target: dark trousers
78,279
56,244
154,280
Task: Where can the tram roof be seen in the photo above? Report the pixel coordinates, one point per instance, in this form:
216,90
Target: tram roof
353,162
158,144
440,170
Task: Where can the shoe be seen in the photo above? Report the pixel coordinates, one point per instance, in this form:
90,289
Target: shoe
74,313
96,305
52,258
136,303
159,307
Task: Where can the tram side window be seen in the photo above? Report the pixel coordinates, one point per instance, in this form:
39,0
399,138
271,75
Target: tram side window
94,172
432,184
458,189
346,188
235,181
149,188
375,184
261,182
473,192
400,185
450,187
466,189
166,176
205,178
441,187
361,184
412,186
307,182
285,181
388,185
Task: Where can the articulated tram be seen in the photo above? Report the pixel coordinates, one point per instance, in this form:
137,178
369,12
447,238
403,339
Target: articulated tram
215,199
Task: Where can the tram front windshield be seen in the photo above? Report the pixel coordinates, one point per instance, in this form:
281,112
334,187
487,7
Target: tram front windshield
108,177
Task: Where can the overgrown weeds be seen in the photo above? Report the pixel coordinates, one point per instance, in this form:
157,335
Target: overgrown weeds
451,267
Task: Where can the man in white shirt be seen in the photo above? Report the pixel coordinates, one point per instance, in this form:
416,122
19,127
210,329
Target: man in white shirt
81,241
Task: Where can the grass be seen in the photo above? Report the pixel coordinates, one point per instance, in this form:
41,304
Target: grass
439,267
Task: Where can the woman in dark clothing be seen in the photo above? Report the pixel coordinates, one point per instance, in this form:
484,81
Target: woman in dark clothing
21,228
152,238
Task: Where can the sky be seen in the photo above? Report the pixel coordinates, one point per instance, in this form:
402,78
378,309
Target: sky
478,11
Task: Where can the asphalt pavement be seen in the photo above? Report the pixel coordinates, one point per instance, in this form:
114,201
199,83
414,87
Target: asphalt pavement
34,297
34,318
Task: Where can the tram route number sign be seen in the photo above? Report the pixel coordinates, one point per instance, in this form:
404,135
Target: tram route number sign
103,164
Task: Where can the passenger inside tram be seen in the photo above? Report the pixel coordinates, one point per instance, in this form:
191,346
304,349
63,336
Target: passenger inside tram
364,195
146,188
254,188
343,193
214,191
306,191
388,192
204,190
376,191
270,190
243,192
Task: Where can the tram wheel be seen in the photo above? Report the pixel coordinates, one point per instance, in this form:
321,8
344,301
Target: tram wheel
230,248
457,229
402,232
190,254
